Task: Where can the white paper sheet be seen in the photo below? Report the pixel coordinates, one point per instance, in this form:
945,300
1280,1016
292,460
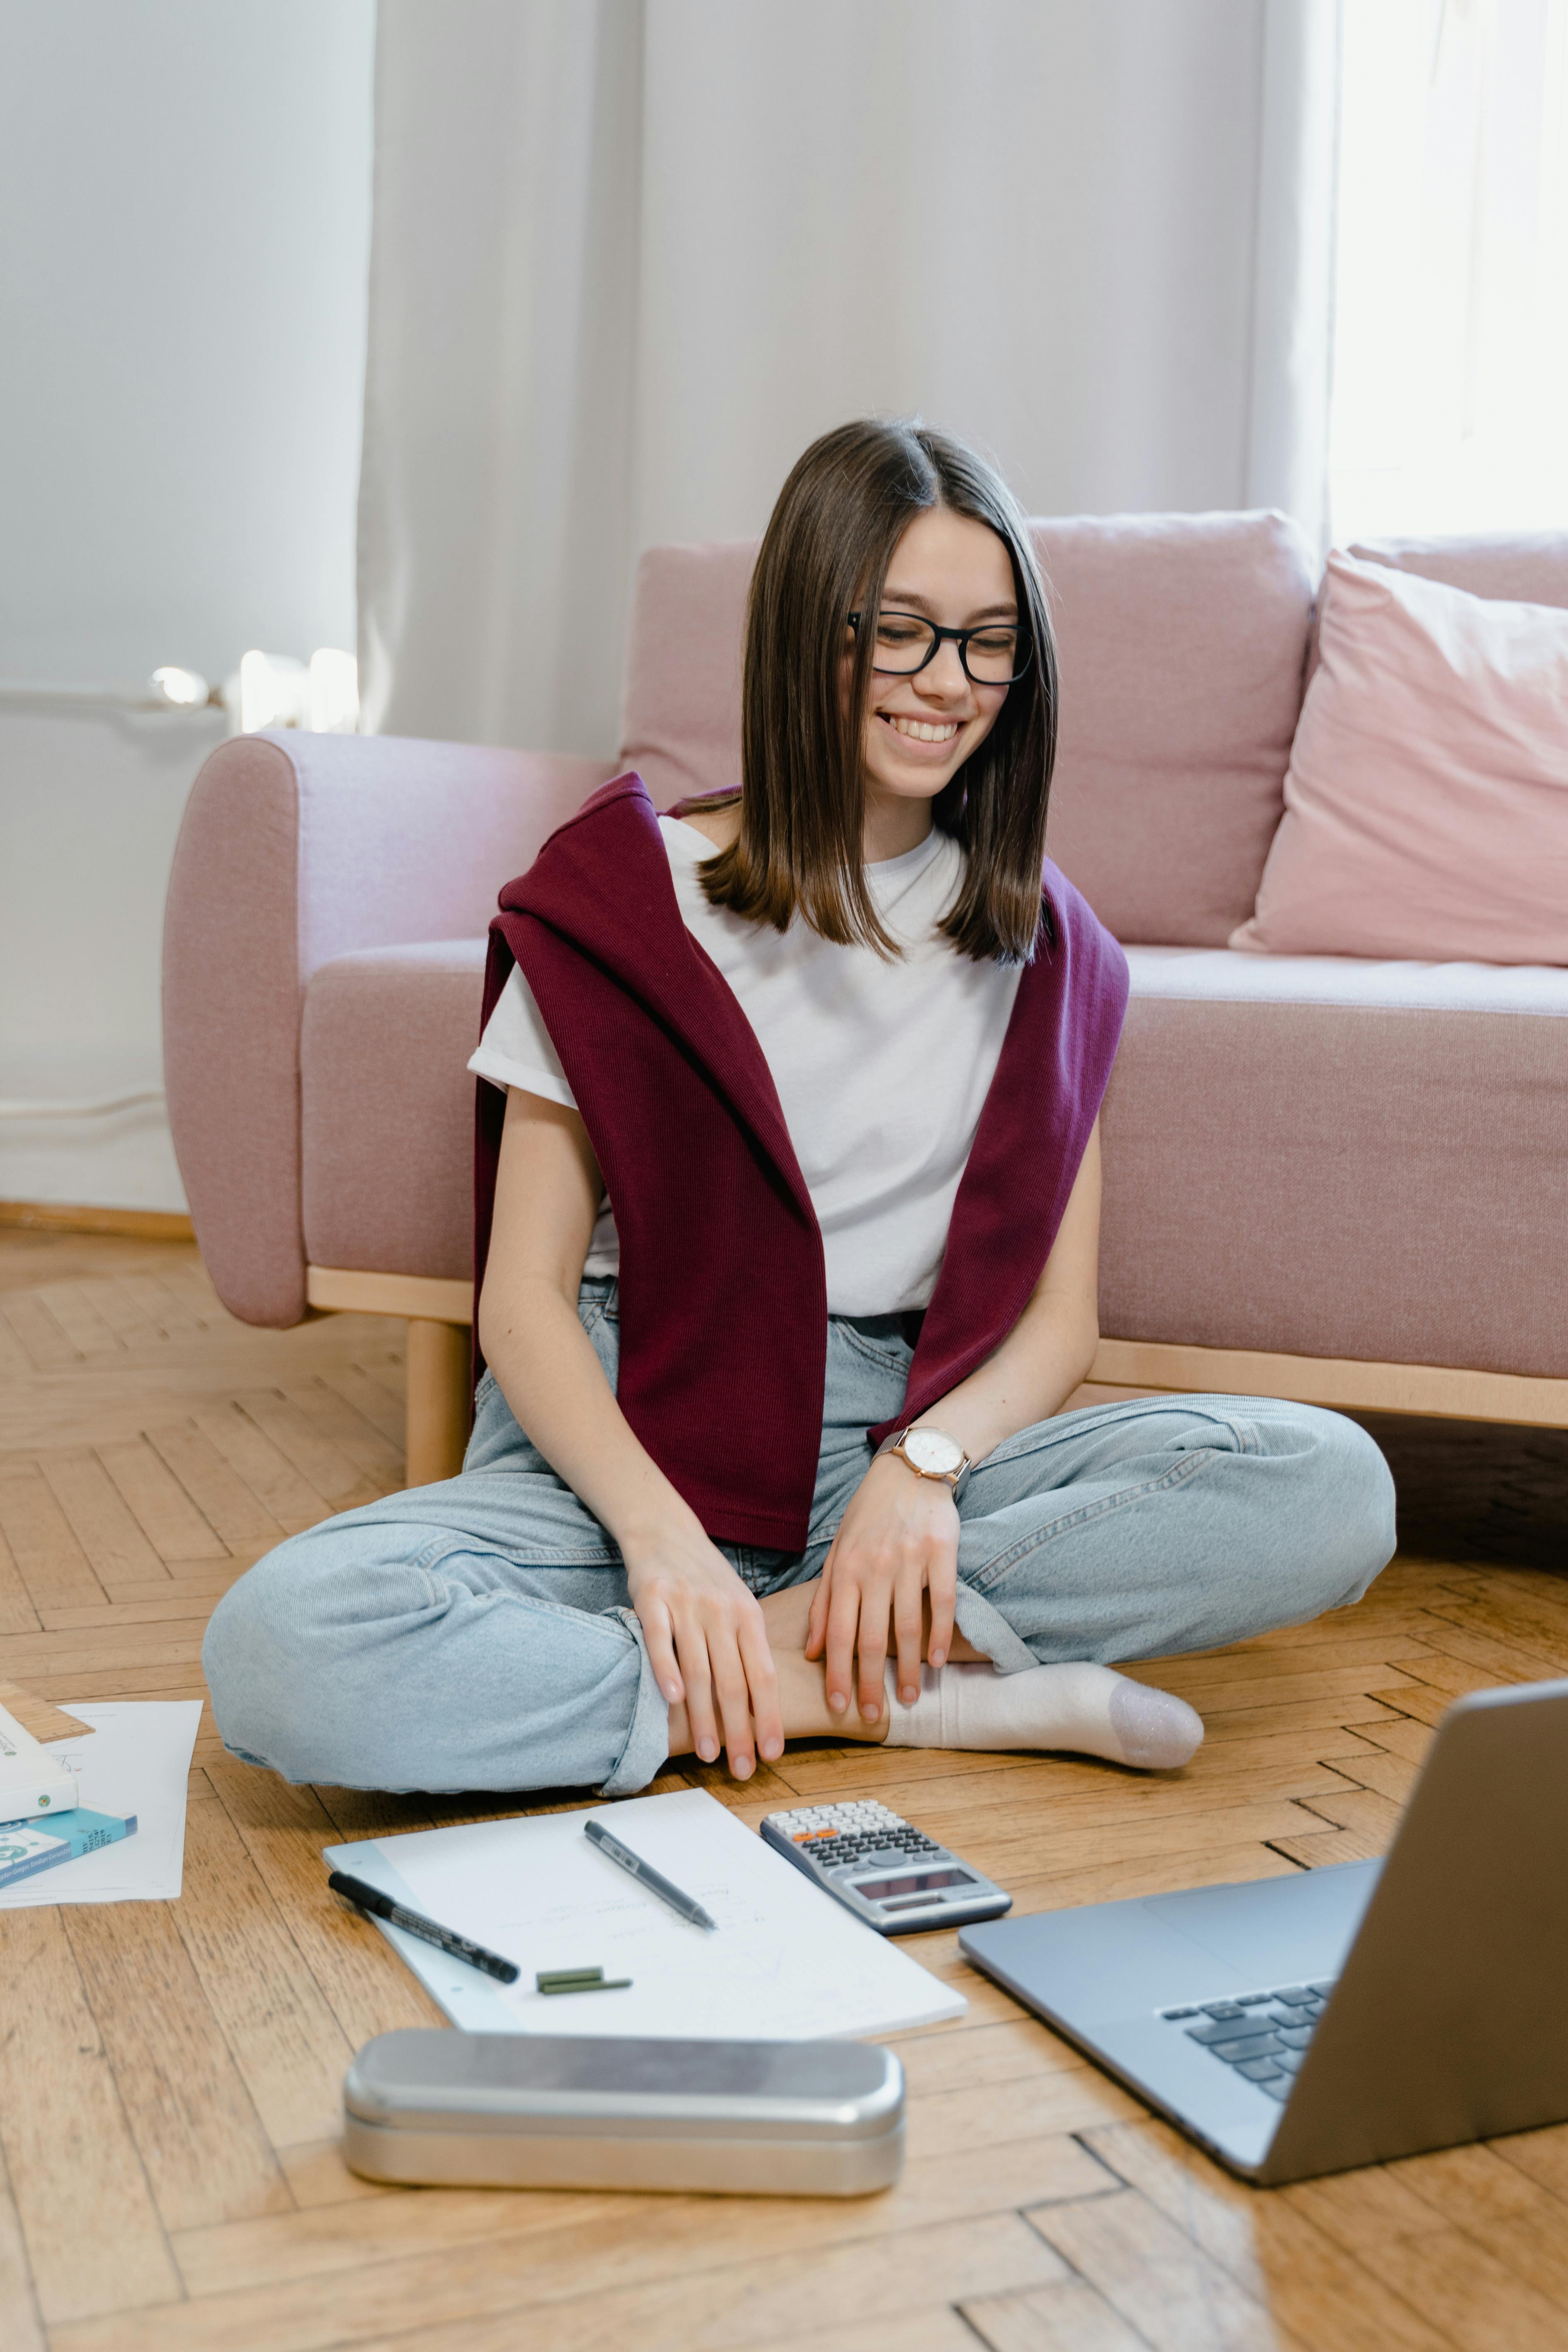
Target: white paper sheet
137,1761
785,1963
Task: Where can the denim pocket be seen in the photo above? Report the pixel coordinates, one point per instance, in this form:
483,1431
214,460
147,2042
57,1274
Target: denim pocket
598,1300
599,1310
892,1353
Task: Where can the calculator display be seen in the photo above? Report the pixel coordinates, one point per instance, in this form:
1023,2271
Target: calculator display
922,1882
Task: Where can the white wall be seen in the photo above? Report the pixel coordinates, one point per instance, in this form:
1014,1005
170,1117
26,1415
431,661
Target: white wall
185,188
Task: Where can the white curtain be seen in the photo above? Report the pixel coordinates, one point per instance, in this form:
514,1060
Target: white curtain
631,255
1293,277
1451,375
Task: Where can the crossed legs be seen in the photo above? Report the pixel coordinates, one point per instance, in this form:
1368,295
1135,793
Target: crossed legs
476,1634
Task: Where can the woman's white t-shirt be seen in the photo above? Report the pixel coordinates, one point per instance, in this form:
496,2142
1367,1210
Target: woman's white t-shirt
881,1067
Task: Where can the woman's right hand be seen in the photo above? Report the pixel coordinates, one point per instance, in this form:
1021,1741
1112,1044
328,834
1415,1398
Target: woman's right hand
707,1644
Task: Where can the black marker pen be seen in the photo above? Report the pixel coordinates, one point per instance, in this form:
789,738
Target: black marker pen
446,1940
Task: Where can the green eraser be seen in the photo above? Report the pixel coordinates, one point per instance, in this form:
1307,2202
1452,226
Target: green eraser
554,1980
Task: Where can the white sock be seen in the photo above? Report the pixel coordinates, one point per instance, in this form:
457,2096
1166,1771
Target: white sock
1085,1709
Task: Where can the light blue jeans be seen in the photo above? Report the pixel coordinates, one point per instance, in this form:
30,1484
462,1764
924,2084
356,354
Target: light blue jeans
478,1634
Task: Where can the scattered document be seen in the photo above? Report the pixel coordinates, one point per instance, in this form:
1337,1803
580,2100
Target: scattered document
137,1760
785,1962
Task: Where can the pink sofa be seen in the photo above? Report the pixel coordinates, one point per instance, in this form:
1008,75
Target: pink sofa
1334,1179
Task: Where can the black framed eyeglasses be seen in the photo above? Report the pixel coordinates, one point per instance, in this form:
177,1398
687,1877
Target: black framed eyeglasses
995,654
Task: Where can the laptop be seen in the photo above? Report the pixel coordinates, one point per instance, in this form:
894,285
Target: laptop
1350,2014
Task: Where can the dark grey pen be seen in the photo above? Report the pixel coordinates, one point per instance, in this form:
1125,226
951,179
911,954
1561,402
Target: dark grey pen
656,1882
414,1923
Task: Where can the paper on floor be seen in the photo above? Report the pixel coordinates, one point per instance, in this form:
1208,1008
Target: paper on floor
137,1762
786,1963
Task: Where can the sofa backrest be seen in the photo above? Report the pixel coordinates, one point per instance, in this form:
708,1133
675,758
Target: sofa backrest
680,719
1181,639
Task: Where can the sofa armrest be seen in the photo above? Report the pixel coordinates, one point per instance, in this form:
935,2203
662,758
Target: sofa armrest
295,849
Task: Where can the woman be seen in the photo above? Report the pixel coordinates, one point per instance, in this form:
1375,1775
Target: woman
788,1208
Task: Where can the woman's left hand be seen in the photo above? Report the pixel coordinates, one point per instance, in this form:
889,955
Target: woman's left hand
897,1542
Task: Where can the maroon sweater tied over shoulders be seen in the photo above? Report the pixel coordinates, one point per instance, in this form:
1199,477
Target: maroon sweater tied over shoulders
724,1299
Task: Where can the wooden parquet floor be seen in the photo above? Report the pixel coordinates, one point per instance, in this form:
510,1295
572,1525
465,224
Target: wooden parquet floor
170,2074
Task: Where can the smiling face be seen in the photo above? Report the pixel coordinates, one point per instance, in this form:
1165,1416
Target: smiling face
919,731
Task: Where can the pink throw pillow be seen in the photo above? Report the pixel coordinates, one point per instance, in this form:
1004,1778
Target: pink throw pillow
1426,799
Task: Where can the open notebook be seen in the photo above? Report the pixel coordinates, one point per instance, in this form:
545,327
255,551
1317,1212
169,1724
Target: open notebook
785,1963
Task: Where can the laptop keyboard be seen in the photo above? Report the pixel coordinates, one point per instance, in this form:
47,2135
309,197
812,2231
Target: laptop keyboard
1264,2035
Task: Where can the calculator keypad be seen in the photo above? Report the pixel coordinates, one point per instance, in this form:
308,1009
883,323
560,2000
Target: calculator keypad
840,1835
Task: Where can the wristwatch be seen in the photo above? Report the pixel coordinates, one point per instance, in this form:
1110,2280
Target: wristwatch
929,1454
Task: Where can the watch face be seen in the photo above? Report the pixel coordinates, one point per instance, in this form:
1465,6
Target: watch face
933,1451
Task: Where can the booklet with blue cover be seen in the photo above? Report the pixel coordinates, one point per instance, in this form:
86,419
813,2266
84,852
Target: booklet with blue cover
32,1845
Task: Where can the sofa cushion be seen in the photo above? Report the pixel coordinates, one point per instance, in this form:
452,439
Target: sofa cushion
1525,567
1306,1155
1426,799
1320,1156
1182,639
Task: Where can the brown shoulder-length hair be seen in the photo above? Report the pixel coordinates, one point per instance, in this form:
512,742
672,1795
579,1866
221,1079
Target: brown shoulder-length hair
825,553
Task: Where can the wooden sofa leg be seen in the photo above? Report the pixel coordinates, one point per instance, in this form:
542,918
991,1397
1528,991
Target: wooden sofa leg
439,1403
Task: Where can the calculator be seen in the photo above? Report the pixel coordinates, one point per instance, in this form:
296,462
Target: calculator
883,1869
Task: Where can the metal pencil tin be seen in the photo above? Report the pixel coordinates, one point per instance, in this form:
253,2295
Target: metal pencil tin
565,2111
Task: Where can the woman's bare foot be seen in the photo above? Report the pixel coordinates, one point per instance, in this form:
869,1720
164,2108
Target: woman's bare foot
803,1689
802,1681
